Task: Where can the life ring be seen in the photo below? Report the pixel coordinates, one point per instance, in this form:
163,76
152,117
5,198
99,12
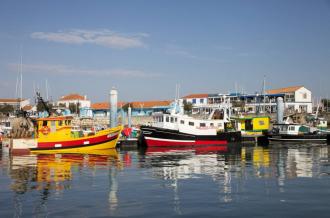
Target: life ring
45,130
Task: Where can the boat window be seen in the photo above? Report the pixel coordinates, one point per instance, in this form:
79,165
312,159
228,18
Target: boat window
167,119
172,119
202,125
60,123
69,122
219,124
161,119
182,121
176,119
44,123
211,124
191,123
52,126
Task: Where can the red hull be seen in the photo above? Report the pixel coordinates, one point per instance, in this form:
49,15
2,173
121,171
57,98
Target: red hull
78,142
164,142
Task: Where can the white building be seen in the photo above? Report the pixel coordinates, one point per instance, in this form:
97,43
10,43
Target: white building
15,102
296,98
197,99
74,99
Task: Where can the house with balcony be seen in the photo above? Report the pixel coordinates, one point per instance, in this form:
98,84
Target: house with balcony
75,99
296,98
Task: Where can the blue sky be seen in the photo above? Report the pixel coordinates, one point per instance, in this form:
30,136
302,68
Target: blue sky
145,48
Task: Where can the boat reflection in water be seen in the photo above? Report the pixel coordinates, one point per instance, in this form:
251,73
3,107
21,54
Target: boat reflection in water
51,171
169,181
54,173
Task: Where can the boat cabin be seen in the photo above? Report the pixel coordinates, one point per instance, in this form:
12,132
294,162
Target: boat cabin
252,124
291,129
51,127
186,124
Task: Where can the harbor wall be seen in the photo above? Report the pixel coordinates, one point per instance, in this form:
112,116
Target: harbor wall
104,121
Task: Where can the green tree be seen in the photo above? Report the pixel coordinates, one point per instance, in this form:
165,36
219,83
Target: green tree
41,106
187,106
74,108
6,108
325,103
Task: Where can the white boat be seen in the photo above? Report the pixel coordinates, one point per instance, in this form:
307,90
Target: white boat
177,129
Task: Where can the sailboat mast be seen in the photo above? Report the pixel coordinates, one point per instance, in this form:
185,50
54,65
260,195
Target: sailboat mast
264,93
46,89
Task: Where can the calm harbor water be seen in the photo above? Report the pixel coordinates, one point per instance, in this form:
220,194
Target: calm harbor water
274,181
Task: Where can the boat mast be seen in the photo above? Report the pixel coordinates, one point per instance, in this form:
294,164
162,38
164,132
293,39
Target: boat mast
21,94
264,93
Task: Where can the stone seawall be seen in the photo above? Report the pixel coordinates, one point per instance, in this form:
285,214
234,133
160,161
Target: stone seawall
104,121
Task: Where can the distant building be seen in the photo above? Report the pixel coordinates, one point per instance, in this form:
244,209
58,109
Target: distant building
146,108
15,102
102,109
197,99
74,99
296,99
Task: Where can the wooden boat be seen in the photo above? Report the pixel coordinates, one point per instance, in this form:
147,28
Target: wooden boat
54,135
177,129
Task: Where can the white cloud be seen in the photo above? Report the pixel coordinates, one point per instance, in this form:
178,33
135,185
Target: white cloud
102,37
69,70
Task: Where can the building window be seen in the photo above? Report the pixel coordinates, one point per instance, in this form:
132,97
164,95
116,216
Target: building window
304,95
211,124
194,101
176,119
182,121
202,125
191,123
201,100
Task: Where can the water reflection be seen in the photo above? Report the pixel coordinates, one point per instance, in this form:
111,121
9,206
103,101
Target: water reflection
229,169
54,173
208,174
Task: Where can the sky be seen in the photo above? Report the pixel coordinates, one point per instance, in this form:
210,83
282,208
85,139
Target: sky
144,48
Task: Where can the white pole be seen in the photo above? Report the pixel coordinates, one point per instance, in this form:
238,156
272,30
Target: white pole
113,107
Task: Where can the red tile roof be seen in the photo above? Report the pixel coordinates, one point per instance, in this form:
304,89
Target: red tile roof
284,90
149,104
73,96
10,100
196,96
105,105
27,108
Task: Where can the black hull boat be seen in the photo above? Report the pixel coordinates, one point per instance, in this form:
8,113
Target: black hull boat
155,136
323,138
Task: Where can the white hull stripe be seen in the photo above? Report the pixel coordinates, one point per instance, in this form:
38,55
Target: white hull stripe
276,139
169,140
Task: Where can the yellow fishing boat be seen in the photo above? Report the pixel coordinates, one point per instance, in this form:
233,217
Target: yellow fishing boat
56,135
